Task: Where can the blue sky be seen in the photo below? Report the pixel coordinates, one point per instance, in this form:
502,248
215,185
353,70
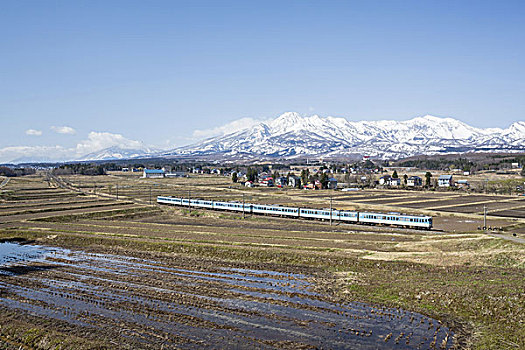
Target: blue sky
156,71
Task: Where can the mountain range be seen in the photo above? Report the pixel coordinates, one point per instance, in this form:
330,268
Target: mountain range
292,136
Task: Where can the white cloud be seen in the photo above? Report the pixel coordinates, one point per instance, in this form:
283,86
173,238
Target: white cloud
19,154
33,132
97,141
64,130
229,128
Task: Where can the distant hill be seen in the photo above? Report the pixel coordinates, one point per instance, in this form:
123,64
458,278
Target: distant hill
118,152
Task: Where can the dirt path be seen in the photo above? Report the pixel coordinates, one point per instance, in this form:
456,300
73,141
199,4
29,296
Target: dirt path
508,238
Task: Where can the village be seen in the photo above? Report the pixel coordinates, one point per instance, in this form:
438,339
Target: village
345,178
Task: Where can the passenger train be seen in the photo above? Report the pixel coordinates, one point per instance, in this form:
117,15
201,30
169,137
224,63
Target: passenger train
394,219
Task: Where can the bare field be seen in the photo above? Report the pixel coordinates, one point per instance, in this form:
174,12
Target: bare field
154,276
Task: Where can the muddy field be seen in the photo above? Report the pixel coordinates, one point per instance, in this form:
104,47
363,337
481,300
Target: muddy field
97,271
152,302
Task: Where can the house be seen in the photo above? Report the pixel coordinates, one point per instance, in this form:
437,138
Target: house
463,184
248,184
385,180
153,173
281,181
395,182
332,184
466,173
445,181
414,181
294,181
267,181
125,169
515,165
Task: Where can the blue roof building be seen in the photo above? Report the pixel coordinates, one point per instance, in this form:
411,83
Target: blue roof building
153,173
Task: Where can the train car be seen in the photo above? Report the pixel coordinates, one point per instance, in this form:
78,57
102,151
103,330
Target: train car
199,203
316,214
348,216
396,220
231,206
275,210
168,200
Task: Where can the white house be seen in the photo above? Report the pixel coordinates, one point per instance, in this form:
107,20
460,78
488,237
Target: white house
294,181
385,180
395,182
414,181
445,181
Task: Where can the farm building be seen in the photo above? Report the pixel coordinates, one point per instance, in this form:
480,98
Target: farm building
445,181
414,181
153,173
463,184
294,181
176,174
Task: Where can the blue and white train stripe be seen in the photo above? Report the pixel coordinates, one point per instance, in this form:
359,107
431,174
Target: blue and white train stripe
394,219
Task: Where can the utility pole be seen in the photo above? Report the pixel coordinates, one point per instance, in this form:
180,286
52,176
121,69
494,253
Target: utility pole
484,217
94,188
189,201
117,191
150,195
331,210
243,213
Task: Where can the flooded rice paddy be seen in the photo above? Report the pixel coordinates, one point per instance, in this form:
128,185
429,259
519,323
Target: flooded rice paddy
172,304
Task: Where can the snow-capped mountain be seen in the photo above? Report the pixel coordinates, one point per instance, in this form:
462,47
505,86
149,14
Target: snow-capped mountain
118,152
292,135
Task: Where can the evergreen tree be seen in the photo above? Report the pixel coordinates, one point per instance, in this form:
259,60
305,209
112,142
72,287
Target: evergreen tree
428,175
304,176
405,178
394,175
234,177
251,174
324,180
